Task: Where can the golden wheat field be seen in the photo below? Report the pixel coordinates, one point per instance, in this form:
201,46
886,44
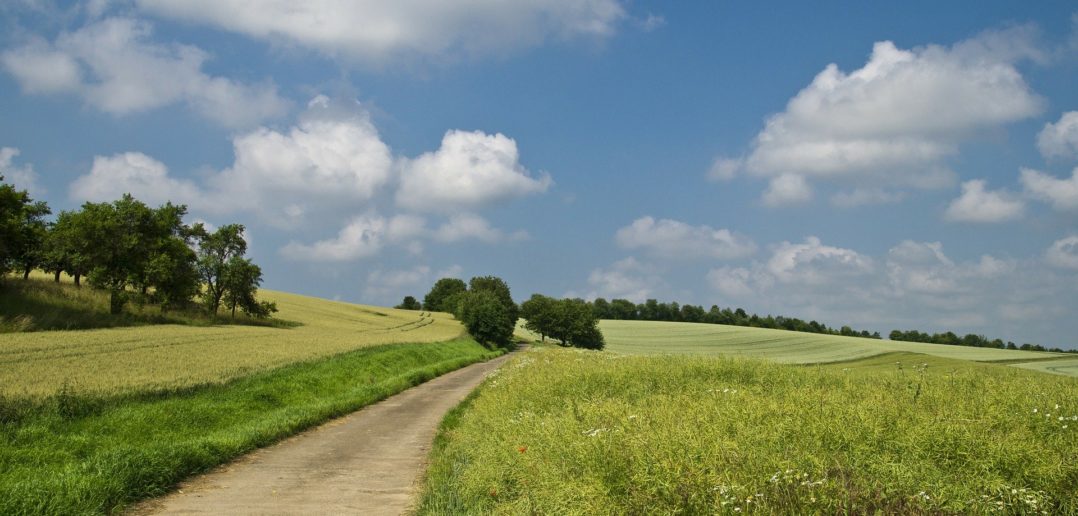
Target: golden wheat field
168,356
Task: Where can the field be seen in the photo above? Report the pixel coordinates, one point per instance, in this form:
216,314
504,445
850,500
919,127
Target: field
562,431
645,337
151,357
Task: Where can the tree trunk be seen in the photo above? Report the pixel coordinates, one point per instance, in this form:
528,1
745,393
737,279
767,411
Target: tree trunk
26,273
234,312
116,302
56,276
77,282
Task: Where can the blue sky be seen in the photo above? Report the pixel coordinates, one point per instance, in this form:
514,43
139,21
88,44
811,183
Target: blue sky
909,165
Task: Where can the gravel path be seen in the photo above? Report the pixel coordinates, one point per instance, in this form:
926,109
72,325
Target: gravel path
368,462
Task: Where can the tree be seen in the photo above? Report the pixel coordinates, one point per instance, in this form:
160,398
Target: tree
500,289
113,240
487,318
215,255
22,230
409,303
537,311
241,281
173,272
443,289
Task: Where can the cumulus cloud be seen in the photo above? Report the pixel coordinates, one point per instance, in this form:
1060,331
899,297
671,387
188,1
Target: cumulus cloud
1064,253
113,65
364,236
814,263
334,156
137,174
468,226
469,170
893,121
735,282
624,279
22,177
976,204
724,169
1060,140
674,239
377,32
1062,194
787,189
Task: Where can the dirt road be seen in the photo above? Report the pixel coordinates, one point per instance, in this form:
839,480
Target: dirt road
369,462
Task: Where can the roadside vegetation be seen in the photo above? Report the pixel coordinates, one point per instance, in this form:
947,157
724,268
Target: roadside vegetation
560,431
72,453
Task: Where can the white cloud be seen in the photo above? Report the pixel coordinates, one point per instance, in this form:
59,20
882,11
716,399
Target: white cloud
379,32
113,66
893,121
732,281
787,189
1060,140
22,177
624,279
364,236
979,205
865,197
467,226
814,263
333,157
724,169
1062,194
135,173
469,170
675,239
1064,253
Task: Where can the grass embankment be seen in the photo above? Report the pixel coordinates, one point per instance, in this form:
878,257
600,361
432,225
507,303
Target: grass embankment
573,432
40,304
647,337
169,356
85,454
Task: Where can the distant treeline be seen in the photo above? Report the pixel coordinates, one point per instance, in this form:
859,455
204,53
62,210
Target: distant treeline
653,310
976,341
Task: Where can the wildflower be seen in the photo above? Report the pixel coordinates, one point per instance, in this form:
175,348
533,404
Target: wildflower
1034,411
522,449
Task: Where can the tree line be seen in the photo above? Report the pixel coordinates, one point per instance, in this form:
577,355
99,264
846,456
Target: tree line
972,340
132,250
653,310
570,321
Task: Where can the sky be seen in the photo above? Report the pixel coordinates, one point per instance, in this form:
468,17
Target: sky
901,165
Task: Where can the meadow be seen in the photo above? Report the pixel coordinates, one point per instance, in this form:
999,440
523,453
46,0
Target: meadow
562,431
646,338
146,357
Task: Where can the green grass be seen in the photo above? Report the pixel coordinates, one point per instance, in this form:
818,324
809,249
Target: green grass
647,337
39,304
562,431
75,453
151,357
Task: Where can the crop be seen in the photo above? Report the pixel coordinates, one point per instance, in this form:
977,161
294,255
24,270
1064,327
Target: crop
169,356
575,432
647,337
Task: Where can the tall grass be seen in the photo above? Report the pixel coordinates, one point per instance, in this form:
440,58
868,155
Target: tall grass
76,453
576,432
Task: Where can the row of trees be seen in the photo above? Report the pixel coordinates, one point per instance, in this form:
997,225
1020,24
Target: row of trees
126,247
653,310
571,321
484,305
977,341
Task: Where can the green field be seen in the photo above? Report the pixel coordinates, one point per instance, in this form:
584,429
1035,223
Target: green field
646,337
151,357
563,431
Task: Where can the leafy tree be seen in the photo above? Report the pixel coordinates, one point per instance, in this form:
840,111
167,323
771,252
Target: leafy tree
241,281
113,237
437,299
623,309
22,230
409,303
216,252
538,311
487,318
602,309
67,246
500,289
174,274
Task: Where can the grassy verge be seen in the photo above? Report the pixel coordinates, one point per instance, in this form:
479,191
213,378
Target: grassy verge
571,432
39,304
72,454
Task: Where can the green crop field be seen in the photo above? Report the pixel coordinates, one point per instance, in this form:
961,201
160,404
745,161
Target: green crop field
151,357
562,431
646,337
